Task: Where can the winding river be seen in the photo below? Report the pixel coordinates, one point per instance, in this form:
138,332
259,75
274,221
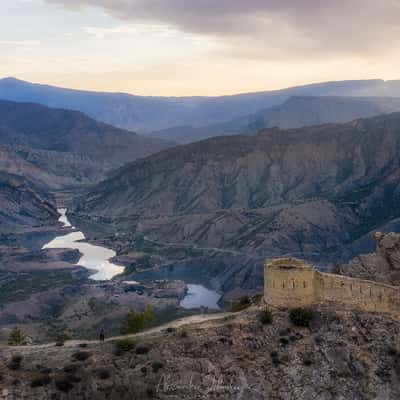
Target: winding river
94,258
97,259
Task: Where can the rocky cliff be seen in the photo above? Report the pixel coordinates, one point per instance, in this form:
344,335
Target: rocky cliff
382,266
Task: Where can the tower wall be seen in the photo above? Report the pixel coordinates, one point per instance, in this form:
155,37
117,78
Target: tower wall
290,282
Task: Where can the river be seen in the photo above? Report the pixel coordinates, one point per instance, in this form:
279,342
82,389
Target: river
97,259
94,258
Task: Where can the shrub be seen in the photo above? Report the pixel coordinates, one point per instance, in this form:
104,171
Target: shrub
243,303
40,381
284,341
136,322
275,358
71,369
124,345
62,338
301,316
257,298
266,317
307,359
17,337
183,333
103,373
43,370
81,355
142,349
15,362
64,383
156,366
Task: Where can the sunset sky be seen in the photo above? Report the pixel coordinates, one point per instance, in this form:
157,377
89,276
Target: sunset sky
198,47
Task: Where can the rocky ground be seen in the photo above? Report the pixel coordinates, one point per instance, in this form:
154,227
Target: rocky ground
341,356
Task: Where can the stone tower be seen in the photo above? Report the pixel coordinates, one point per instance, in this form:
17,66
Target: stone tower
289,282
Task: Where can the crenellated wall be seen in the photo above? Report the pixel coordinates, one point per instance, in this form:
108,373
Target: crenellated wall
290,282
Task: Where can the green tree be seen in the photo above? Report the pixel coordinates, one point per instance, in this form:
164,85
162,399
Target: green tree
17,337
136,322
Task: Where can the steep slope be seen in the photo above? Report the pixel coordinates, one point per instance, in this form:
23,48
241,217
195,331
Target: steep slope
294,113
306,192
68,145
155,113
12,163
23,205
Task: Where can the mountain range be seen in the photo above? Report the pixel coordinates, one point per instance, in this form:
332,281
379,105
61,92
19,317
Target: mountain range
63,148
296,112
148,113
315,192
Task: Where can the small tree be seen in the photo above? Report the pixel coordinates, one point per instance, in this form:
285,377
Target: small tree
17,337
266,316
301,316
136,322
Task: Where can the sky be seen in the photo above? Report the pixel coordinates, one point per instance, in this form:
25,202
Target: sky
198,47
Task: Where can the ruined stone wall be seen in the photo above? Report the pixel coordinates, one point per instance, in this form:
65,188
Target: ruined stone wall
288,282
292,283
358,293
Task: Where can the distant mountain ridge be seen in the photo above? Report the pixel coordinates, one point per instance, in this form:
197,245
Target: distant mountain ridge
146,113
296,112
67,146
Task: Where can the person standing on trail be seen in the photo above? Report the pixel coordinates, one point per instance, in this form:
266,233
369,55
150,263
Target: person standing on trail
102,335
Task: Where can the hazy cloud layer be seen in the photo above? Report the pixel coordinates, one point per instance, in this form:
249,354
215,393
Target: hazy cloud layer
272,28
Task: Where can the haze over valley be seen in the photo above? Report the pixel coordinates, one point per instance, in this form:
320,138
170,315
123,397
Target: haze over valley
199,201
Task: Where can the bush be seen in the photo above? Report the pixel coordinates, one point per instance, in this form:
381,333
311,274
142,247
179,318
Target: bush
284,341
266,317
15,362
124,345
81,355
142,349
71,369
64,383
183,333
17,337
243,303
257,298
103,373
156,366
136,322
301,316
40,381
62,338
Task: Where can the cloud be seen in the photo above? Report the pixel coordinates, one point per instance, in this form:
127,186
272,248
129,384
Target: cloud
137,29
20,43
271,29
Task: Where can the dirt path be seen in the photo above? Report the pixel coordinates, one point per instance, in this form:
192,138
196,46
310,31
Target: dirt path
194,319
